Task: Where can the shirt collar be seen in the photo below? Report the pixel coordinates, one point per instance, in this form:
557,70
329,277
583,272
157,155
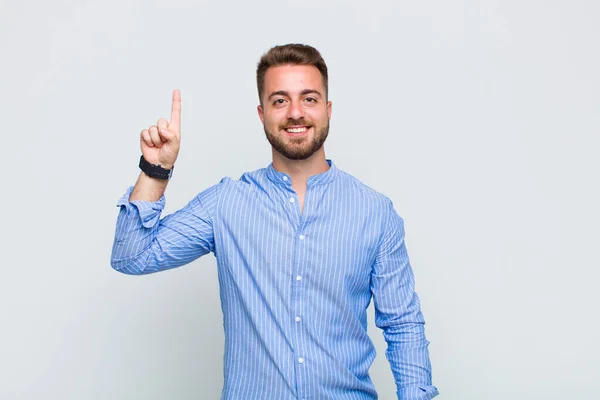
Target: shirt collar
281,178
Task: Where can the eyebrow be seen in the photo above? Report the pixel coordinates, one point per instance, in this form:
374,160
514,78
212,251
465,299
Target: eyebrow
302,93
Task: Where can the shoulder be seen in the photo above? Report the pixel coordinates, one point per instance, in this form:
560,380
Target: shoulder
227,186
358,188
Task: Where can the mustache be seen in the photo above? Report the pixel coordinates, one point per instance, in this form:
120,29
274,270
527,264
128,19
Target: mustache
294,122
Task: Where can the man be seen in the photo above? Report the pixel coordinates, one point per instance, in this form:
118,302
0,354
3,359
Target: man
301,249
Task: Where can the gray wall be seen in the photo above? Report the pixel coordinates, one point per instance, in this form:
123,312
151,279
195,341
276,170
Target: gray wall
480,119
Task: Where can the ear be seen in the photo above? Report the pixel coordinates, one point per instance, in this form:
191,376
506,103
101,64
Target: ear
329,109
261,113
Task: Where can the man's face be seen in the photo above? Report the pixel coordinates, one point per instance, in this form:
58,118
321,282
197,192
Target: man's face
295,113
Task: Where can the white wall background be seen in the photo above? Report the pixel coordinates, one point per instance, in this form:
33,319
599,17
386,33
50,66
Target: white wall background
480,119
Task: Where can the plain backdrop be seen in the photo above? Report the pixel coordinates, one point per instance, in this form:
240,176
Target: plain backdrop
479,119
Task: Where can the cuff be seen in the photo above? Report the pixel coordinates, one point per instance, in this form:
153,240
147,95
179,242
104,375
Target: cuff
149,211
424,392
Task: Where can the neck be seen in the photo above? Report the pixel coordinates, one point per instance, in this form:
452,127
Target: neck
301,170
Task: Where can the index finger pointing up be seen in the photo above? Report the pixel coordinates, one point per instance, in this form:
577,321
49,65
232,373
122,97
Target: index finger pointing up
175,111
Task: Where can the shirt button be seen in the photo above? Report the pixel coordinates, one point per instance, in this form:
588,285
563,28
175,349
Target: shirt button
301,360
285,178
297,319
292,200
301,237
298,278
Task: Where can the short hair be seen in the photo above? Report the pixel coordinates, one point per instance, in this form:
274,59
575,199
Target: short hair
290,54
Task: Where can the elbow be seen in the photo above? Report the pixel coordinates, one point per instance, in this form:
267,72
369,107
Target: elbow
127,267
406,334
127,271
126,261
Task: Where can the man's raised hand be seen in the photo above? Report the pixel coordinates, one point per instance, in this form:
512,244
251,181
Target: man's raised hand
160,143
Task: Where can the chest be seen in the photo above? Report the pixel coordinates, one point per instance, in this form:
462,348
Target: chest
329,236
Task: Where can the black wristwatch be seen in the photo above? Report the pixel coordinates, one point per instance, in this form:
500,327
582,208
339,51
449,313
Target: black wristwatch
155,171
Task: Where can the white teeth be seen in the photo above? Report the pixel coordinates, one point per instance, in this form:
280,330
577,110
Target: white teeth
296,130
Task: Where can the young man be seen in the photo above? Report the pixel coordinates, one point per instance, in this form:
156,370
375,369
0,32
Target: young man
301,249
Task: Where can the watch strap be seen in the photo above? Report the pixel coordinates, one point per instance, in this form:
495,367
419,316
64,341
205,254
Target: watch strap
155,171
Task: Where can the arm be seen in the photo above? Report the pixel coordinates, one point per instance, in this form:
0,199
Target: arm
398,314
143,244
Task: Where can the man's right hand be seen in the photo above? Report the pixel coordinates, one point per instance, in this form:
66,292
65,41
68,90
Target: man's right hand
160,143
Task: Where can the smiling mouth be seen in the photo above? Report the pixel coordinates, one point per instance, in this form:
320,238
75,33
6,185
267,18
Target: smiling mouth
297,129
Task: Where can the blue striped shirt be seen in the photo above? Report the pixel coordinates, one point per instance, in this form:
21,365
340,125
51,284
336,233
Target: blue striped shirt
294,285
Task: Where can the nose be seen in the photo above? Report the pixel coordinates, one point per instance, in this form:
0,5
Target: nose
295,110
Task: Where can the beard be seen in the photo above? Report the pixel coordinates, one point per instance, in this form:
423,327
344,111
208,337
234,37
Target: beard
298,148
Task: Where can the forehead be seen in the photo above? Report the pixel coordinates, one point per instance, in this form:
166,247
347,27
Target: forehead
293,78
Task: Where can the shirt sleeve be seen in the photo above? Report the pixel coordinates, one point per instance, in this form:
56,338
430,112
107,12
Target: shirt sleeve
144,243
398,314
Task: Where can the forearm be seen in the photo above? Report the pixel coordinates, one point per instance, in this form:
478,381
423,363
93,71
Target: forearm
148,189
408,356
142,244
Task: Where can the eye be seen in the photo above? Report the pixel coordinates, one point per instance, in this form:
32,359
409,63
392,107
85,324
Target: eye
311,100
278,102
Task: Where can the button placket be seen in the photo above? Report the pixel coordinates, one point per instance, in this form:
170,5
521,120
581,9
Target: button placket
300,259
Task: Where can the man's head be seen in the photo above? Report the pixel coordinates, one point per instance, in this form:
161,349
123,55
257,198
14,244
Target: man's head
292,88
290,54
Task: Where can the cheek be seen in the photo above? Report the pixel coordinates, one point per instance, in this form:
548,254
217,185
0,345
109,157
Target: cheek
274,117
318,115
